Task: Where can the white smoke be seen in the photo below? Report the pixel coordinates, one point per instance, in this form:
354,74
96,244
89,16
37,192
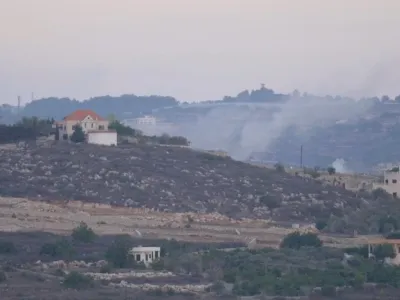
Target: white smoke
340,166
245,128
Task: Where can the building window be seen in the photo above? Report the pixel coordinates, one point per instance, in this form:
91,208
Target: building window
395,195
101,127
387,181
147,257
92,125
394,180
156,254
85,125
137,257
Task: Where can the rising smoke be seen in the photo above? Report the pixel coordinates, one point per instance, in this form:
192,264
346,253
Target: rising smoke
246,128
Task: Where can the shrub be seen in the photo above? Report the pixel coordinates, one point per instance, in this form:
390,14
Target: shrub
61,248
279,167
158,265
380,193
106,269
117,253
393,236
78,136
270,201
78,281
3,276
7,247
321,224
331,170
83,233
297,240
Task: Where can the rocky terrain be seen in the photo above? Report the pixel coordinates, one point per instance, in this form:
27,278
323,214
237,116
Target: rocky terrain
169,179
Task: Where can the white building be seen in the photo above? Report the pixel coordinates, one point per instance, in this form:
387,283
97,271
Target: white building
146,120
145,254
391,182
102,137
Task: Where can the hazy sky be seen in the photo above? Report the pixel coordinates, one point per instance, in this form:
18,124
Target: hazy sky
197,49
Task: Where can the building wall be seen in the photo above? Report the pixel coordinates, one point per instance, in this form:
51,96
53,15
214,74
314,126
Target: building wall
67,127
107,138
391,183
145,254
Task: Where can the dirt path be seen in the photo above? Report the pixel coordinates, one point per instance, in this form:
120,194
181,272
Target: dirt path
25,215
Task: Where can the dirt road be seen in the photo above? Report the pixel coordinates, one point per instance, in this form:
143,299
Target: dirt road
24,215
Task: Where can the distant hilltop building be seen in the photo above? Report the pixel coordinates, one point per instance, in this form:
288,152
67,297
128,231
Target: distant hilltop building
145,120
87,119
94,126
391,182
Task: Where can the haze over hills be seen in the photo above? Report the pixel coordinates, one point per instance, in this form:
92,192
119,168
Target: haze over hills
259,124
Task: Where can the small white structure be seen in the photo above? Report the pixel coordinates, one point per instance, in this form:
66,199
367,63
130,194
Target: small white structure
145,254
146,120
391,183
102,137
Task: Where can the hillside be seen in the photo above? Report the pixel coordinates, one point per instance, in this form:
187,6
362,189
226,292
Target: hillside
167,179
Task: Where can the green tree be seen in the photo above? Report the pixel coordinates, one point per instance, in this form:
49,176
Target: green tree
78,136
78,281
117,253
296,240
83,233
331,170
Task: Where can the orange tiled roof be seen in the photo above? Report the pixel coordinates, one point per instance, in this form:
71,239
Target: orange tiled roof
80,115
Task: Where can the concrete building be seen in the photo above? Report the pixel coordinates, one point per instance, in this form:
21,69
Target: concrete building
145,254
391,182
102,137
87,119
146,120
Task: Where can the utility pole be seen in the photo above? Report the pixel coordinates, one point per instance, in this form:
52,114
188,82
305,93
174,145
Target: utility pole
301,156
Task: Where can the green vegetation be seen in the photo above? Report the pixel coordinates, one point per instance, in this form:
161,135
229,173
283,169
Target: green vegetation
3,276
83,233
78,136
117,253
78,281
25,130
7,247
270,201
164,139
279,167
61,249
297,240
331,170
321,224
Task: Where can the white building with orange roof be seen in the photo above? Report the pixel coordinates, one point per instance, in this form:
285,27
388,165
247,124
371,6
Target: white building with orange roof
87,119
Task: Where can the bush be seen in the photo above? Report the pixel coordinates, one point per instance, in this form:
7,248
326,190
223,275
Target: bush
78,136
331,170
61,248
3,276
117,253
78,281
297,240
321,224
279,167
7,247
393,236
158,265
106,269
380,193
83,233
270,201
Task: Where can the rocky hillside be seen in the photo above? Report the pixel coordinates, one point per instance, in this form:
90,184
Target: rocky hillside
168,179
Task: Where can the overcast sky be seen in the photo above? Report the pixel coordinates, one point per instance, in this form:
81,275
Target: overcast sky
197,49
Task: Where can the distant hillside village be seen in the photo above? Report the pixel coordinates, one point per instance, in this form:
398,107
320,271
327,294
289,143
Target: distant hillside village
82,126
